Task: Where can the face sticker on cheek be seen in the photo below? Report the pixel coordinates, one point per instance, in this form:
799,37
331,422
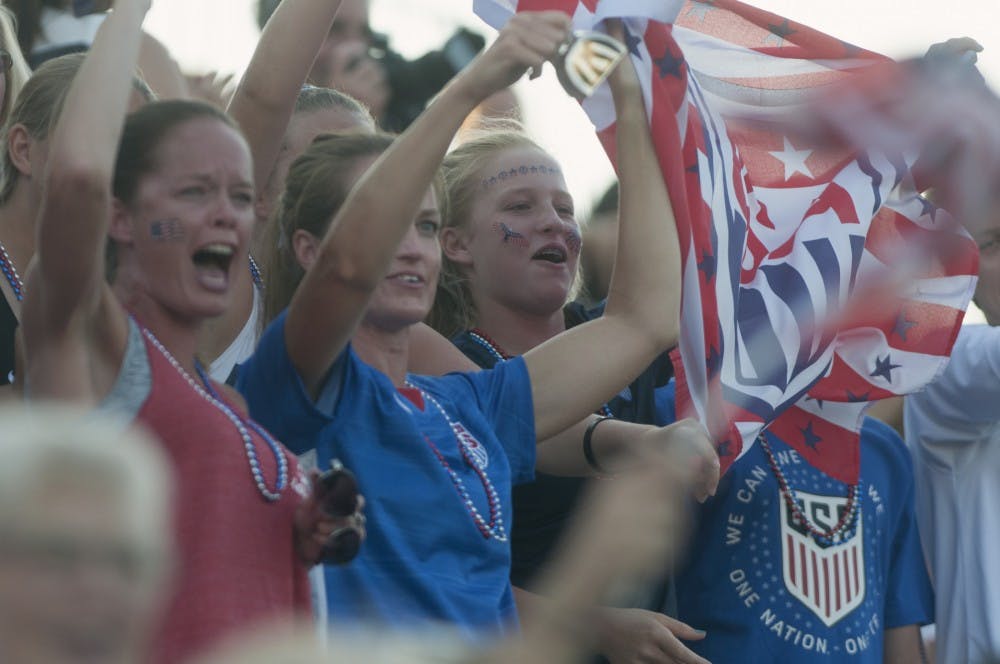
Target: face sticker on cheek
574,241
166,230
509,236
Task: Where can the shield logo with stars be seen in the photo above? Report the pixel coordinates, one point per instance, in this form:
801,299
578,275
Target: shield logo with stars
829,580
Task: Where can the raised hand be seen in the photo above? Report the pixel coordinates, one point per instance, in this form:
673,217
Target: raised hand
527,41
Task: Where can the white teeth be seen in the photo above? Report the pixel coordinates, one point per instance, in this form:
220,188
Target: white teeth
552,255
410,278
219,249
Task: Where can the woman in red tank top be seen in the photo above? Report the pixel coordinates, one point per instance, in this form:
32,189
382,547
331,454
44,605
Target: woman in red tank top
177,204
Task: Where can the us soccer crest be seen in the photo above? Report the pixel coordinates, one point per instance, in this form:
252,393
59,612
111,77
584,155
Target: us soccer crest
472,447
830,580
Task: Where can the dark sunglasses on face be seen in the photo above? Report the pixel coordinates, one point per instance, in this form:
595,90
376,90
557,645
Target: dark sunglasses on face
338,495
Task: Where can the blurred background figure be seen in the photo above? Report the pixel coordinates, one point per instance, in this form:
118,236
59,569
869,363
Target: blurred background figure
359,62
47,29
84,550
15,69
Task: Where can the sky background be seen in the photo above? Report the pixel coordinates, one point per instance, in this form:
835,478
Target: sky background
220,35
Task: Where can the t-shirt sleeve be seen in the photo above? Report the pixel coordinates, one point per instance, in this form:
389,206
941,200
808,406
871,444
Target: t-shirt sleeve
967,391
666,408
504,397
909,598
278,399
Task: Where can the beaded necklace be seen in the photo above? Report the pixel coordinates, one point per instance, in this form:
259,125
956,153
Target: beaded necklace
209,394
494,349
494,529
10,272
847,520
258,281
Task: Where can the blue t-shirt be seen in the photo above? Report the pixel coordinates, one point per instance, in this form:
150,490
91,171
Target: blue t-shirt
758,583
424,558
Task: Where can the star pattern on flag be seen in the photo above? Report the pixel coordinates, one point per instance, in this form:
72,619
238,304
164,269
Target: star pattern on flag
669,63
903,325
778,33
632,43
809,437
793,160
707,266
700,9
927,209
856,398
728,189
714,361
884,367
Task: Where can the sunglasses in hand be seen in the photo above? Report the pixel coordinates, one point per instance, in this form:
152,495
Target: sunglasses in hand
337,493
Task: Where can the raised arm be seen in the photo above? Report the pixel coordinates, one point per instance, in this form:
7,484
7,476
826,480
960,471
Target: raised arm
575,372
266,95
73,222
160,70
365,234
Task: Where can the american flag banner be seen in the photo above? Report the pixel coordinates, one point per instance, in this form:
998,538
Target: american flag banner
815,278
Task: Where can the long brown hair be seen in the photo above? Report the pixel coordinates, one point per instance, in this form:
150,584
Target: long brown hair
317,184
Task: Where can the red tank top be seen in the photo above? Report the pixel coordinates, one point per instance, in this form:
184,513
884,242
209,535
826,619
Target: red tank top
237,565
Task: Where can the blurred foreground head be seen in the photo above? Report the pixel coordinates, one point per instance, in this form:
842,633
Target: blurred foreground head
84,537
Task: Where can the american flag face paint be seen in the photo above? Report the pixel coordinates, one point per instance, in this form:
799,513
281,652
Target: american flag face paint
510,237
166,230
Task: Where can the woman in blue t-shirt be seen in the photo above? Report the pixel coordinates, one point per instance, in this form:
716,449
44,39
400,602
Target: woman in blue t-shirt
436,457
499,297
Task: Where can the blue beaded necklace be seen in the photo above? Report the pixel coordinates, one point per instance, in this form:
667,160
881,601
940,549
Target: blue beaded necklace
494,528
494,349
209,394
10,272
258,280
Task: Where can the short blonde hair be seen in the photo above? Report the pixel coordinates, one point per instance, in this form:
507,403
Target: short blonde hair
42,444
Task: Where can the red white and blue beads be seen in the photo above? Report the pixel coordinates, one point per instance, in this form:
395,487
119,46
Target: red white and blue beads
212,397
492,347
258,280
846,521
10,272
494,528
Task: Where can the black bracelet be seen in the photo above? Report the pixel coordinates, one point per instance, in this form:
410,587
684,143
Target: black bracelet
588,449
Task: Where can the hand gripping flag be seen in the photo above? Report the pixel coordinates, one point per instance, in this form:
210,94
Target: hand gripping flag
815,278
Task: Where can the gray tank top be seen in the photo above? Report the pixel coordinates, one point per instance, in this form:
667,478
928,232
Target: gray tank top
134,382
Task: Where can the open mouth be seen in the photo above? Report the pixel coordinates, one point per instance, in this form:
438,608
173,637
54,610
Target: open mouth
550,255
212,264
214,256
408,278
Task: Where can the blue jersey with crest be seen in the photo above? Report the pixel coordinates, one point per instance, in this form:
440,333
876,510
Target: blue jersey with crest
766,590
424,558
